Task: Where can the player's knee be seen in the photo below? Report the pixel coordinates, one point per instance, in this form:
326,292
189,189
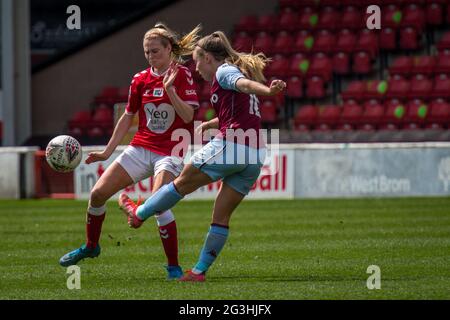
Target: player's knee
98,196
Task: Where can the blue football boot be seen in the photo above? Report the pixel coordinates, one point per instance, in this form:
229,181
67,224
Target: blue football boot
174,272
74,256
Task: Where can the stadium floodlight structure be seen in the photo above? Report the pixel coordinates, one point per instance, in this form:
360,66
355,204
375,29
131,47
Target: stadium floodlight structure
15,105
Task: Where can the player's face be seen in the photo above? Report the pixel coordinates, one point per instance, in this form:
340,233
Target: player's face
202,64
156,54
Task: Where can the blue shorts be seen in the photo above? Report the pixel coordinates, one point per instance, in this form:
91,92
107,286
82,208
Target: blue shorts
237,165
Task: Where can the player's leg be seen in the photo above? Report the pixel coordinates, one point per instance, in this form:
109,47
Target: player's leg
168,229
226,202
168,195
201,171
113,180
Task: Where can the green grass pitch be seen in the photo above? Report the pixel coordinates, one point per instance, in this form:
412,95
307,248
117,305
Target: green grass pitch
302,249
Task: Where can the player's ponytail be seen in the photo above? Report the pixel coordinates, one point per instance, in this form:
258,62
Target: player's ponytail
180,47
251,65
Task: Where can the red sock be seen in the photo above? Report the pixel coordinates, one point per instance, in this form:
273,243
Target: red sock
93,229
168,234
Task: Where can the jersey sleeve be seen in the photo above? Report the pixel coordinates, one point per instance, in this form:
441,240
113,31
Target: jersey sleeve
227,76
134,96
186,87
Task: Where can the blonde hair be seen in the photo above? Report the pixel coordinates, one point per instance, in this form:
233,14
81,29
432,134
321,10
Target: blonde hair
180,47
251,65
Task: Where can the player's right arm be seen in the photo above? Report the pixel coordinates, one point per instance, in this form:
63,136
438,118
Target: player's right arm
121,129
211,124
123,125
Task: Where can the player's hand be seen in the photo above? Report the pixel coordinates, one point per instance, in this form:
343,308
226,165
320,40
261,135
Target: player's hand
96,156
170,76
276,86
203,127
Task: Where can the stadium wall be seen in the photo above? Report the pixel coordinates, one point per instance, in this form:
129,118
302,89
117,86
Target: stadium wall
292,171
71,84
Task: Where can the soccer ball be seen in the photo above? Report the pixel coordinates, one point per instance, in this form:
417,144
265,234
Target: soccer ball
63,153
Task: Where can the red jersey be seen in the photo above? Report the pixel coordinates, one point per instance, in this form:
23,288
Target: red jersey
157,117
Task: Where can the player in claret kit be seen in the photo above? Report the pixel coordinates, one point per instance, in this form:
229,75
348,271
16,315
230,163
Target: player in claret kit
165,98
236,78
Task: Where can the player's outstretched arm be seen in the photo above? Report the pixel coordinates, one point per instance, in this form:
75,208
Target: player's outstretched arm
122,127
252,87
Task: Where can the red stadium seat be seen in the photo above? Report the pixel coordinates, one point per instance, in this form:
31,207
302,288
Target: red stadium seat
346,41
439,116
350,116
288,20
288,4
391,17
103,118
328,117
351,18
321,66
306,117
266,23
421,87
95,132
294,87
409,39
424,65
278,67
122,95
441,87
356,90
368,41
388,39
80,121
268,111
324,42
376,89
315,88
401,66
283,43
413,16
443,64
298,66
434,14
394,116
243,42
372,116
341,63
328,18
263,43
361,63
304,42
205,112
398,88
416,114
308,19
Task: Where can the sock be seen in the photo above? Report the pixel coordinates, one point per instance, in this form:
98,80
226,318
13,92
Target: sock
168,234
162,200
94,222
215,240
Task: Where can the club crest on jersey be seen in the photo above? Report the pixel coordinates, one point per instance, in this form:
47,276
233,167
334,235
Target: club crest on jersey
158,92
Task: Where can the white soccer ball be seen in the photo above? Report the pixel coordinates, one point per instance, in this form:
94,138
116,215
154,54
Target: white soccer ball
63,153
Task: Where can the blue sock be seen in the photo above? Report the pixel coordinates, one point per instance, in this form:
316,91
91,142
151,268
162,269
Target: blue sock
215,240
163,199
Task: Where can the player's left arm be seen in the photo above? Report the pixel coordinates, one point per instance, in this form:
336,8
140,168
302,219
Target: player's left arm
252,87
182,108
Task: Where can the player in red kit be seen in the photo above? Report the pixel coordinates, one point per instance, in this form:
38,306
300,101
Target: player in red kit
165,98
235,155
